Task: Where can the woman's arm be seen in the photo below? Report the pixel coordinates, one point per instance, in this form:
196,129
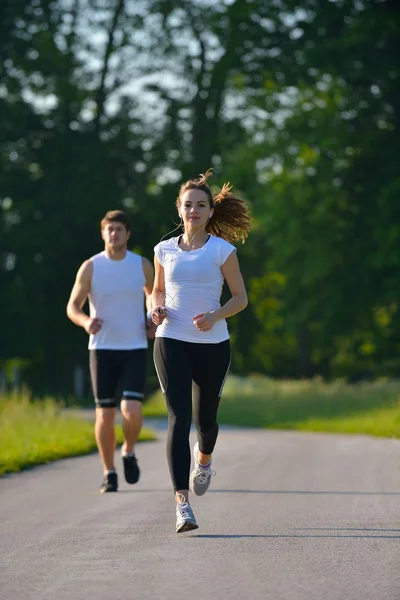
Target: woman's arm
233,277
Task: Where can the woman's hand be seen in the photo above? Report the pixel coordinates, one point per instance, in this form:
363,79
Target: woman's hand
205,321
158,314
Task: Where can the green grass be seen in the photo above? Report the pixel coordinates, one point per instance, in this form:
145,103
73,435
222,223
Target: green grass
367,408
37,432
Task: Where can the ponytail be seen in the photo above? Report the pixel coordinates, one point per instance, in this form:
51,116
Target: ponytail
231,219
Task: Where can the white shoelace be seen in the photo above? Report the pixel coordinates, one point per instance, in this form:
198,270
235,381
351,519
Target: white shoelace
185,511
203,475
184,508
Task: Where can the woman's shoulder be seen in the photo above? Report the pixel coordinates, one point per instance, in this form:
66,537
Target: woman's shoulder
165,244
221,243
222,249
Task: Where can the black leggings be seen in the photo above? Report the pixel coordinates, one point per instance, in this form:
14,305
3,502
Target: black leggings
183,368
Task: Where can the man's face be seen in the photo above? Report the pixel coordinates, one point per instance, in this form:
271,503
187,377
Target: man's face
115,235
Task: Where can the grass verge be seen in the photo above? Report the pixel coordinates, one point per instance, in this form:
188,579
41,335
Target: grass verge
38,432
367,408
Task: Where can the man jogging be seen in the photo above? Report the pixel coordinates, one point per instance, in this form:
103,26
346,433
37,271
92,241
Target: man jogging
114,281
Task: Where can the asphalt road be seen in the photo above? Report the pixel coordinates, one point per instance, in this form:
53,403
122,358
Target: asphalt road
289,516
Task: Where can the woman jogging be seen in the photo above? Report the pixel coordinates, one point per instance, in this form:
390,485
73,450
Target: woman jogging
192,350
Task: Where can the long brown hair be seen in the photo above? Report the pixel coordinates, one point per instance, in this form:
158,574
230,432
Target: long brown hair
231,219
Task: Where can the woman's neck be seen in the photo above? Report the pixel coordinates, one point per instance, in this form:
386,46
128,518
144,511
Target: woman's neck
194,239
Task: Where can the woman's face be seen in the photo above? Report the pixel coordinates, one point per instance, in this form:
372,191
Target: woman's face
195,209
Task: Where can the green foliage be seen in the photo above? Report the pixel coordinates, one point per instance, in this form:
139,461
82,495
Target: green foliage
110,104
312,405
37,431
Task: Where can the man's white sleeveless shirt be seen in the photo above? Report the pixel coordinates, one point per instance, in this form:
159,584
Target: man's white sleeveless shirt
193,285
117,297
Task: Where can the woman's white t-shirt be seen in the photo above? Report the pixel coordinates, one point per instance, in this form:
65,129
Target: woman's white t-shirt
193,285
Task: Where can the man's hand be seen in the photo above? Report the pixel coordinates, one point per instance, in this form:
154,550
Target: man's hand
151,329
93,326
158,314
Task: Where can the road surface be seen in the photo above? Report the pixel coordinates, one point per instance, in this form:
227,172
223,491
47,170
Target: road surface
289,516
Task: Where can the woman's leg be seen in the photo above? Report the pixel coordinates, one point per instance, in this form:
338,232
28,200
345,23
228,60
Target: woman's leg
210,368
174,372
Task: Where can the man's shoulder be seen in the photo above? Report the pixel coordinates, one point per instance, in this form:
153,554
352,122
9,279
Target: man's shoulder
88,267
134,256
138,259
96,257
85,271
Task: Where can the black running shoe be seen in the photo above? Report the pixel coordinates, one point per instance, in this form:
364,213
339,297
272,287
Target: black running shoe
110,483
131,468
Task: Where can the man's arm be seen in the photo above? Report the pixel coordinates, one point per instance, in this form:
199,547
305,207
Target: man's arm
148,288
78,297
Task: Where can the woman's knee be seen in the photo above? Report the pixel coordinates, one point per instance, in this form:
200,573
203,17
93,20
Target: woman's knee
179,424
206,427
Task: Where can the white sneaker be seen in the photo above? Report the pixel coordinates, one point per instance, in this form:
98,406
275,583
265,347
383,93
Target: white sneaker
185,520
200,478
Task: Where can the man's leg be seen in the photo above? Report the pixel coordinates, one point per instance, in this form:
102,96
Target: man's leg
104,378
132,420
131,411
105,437
132,380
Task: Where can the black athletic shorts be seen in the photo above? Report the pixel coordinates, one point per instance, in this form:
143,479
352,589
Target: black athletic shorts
114,371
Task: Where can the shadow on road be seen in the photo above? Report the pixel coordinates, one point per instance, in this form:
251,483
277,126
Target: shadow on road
317,492
293,536
272,492
345,529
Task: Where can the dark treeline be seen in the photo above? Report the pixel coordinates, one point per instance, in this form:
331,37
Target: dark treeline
111,103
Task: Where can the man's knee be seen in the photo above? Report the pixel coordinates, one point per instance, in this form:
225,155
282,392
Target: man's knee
105,416
131,409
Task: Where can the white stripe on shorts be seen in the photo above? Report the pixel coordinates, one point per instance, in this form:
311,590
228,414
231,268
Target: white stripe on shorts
104,400
128,395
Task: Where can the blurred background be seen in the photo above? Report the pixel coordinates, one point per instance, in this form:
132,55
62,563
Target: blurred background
109,104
